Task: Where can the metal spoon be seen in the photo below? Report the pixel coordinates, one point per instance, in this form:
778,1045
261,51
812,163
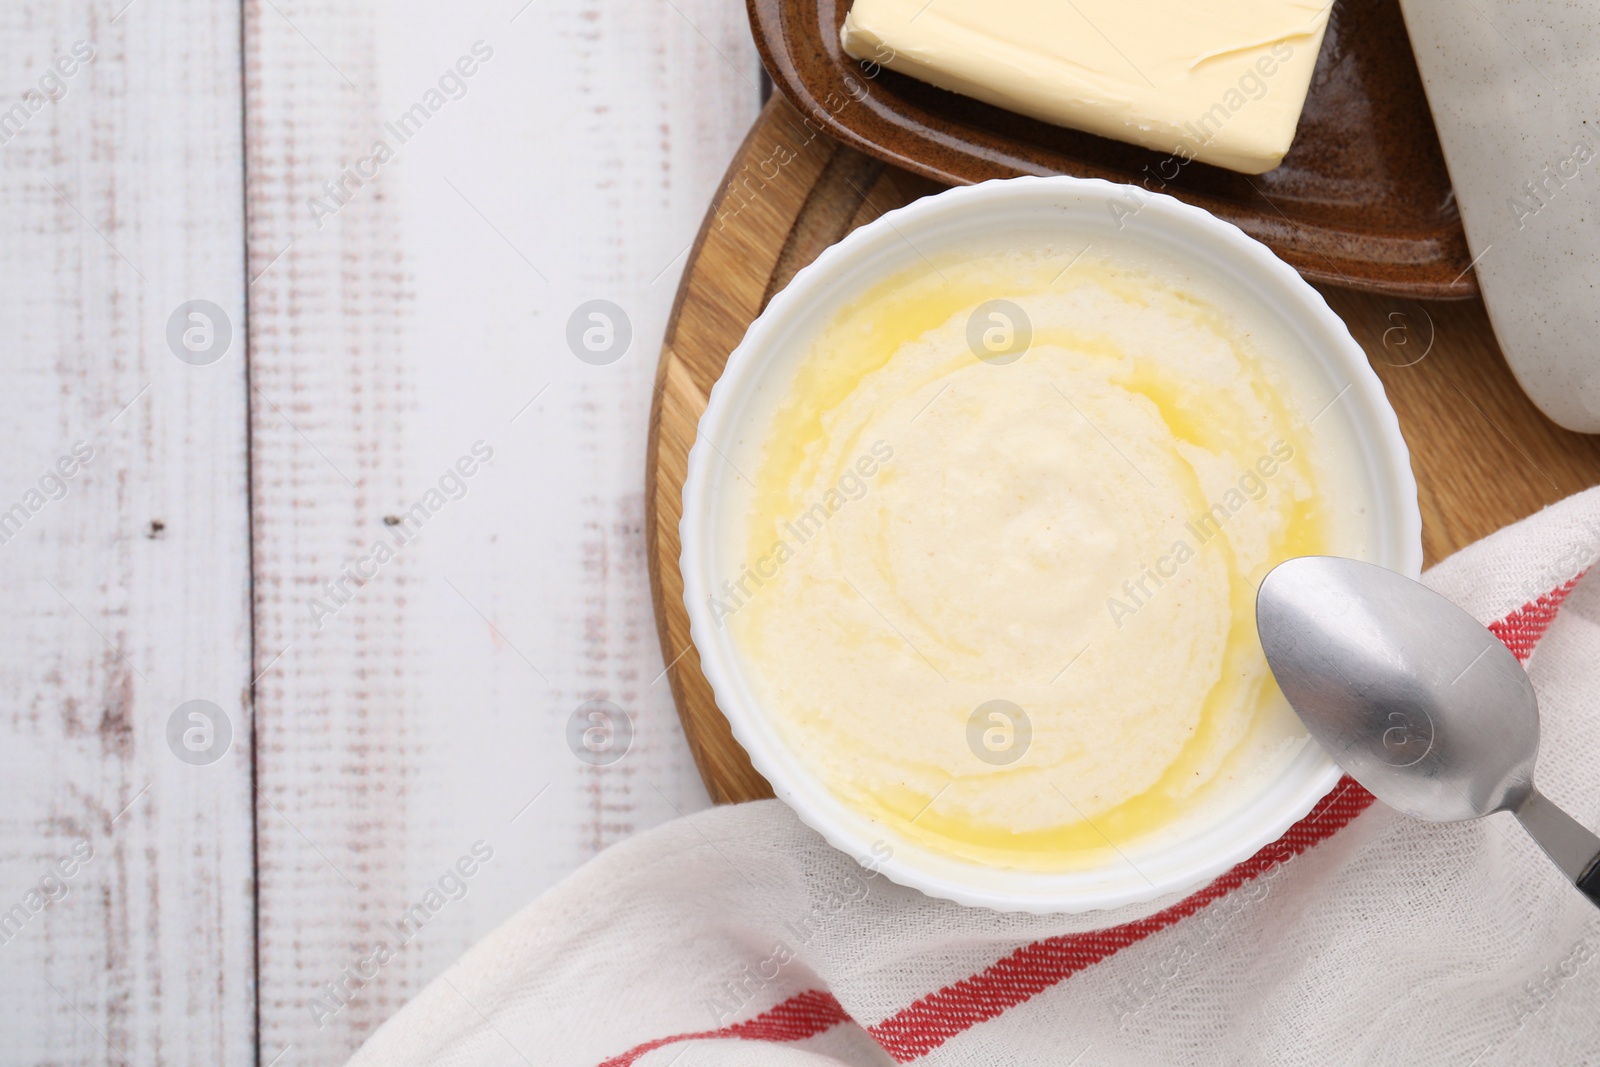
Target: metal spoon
1414,699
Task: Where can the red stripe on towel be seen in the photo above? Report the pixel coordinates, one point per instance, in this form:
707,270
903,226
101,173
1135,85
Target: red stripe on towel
1030,970
1523,628
801,1016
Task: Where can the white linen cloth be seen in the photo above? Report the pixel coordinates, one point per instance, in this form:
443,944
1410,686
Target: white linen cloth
737,936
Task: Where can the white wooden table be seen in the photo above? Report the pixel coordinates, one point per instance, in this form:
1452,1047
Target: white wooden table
366,503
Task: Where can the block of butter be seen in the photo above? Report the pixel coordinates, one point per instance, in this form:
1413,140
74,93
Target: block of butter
1221,81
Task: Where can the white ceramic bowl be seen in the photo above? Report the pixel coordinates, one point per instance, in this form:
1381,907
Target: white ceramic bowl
950,221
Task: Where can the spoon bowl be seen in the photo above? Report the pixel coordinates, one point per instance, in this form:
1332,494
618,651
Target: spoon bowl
1414,698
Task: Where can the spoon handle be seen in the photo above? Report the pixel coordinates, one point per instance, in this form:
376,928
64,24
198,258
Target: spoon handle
1566,841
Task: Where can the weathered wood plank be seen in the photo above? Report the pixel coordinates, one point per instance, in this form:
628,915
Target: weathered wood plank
125,569
419,709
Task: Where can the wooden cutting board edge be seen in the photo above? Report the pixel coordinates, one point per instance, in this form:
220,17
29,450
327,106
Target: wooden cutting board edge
1483,455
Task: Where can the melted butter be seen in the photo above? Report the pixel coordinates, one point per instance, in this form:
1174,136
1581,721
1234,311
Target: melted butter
819,643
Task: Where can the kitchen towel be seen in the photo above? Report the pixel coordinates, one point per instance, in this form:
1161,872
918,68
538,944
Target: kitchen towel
737,936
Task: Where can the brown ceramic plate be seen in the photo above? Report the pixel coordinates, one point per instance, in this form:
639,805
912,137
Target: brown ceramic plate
1361,200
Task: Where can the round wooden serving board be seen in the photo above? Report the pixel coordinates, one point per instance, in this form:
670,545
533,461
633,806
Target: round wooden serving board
1483,455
